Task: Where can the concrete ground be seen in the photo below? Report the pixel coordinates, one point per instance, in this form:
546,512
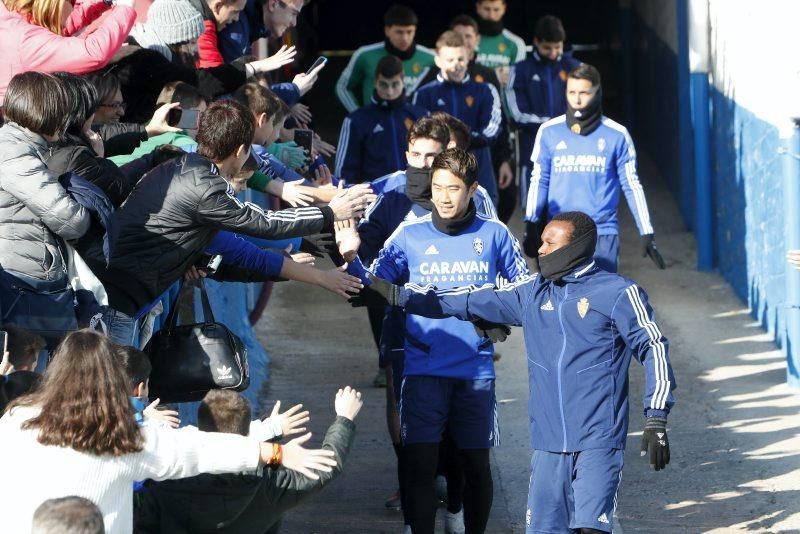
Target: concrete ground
734,432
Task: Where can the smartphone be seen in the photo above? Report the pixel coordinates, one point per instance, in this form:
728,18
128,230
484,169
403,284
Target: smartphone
189,119
304,138
321,60
4,340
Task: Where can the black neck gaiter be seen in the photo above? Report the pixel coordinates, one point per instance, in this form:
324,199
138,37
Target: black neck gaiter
418,186
585,121
388,104
454,226
400,54
558,264
489,27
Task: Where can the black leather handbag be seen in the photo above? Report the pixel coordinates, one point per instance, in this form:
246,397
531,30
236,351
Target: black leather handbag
190,360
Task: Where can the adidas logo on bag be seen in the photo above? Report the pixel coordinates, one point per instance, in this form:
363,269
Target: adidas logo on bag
561,146
547,306
603,518
378,129
224,373
431,250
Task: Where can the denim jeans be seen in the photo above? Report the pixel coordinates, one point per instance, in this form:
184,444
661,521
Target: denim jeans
122,329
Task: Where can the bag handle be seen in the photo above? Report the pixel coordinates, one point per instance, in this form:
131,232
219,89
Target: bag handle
208,313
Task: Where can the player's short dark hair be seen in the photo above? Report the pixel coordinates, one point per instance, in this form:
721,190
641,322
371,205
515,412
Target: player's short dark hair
224,410
459,131
137,364
584,71
549,28
389,66
464,20
224,127
449,39
400,15
429,128
581,223
459,162
258,99
23,345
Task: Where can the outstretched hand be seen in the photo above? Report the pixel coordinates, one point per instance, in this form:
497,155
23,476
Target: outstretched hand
282,57
168,417
348,403
305,461
291,420
378,294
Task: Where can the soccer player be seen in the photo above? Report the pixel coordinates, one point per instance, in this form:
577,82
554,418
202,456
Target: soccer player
537,88
580,161
499,48
476,104
372,141
581,325
448,379
356,82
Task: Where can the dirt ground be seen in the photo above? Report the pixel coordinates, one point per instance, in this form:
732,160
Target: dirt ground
734,432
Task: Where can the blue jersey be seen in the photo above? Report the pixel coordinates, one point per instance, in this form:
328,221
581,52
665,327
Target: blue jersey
573,172
373,141
419,253
580,334
478,106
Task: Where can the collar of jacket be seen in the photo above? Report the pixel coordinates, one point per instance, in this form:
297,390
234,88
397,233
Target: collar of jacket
400,54
441,79
388,104
541,59
580,273
33,137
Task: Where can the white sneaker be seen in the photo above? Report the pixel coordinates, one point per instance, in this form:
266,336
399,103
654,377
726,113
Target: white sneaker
454,523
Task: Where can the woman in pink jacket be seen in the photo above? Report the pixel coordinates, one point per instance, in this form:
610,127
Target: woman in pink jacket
45,35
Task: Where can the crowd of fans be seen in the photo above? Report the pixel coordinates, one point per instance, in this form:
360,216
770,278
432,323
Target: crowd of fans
129,157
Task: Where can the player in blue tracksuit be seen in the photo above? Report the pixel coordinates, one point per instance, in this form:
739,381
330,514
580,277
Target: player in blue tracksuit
536,90
372,140
448,382
581,325
476,104
580,162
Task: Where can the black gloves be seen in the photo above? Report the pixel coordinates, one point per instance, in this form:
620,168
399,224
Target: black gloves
532,239
495,332
378,294
655,442
318,244
649,249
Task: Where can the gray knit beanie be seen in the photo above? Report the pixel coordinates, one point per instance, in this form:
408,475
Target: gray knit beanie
174,21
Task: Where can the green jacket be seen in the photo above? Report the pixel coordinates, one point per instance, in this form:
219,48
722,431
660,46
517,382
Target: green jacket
170,138
501,50
236,504
357,81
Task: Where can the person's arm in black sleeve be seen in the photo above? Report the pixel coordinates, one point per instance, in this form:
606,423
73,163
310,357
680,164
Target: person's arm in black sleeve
102,173
120,137
220,208
218,81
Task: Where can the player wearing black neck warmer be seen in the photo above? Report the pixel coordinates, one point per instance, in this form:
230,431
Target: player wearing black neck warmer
580,162
582,325
498,47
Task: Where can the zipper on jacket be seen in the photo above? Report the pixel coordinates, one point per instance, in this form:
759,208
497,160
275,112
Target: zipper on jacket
394,140
560,359
453,92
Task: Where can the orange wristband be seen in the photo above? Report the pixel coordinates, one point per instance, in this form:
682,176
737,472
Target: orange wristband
277,455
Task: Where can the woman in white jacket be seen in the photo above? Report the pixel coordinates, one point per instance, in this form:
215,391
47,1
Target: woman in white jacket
77,436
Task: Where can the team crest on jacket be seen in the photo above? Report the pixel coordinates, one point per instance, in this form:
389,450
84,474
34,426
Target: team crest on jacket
470,100
501,46
576,128
563,75
479,78
583,307
416,68
477,244
601,144
408,123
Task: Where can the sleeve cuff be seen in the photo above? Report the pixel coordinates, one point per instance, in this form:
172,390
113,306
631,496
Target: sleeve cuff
328,218
656,413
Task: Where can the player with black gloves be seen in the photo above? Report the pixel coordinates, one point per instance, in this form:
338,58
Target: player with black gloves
580,160
581,325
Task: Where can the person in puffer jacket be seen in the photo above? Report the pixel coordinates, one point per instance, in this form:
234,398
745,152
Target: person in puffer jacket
582,326
51,43
36,213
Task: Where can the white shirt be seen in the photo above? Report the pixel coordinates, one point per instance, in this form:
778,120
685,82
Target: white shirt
33,473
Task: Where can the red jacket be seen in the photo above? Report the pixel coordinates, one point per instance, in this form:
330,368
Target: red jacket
207,47
28,47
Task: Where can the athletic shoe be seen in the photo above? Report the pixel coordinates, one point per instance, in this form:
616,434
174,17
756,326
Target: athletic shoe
380,379
393,502
454,523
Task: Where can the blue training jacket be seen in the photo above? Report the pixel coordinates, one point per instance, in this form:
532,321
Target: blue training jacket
580,334
478,106
573,172
373,140
419,253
